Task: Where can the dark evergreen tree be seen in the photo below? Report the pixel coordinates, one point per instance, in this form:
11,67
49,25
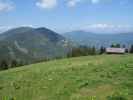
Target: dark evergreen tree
131,49
118,46
82,51
102,50
3,65
115,46
123,46
14,63
112,45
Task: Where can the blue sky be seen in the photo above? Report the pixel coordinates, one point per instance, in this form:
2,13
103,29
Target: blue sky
67,15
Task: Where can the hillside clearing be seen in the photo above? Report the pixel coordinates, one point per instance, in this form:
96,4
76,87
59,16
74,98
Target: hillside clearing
104,77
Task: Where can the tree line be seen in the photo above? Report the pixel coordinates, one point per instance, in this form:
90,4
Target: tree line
74,52
6,64
85,51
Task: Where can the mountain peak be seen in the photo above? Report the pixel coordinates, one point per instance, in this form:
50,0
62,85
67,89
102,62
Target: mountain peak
40,43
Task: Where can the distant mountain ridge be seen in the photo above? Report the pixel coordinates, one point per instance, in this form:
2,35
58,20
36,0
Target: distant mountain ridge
93,39
35,44
32,44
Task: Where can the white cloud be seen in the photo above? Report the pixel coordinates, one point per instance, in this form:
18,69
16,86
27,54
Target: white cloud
102,26
4,28
108,28
72,3
5,6
26,25
46,4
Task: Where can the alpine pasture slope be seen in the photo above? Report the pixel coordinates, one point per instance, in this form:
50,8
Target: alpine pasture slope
104,77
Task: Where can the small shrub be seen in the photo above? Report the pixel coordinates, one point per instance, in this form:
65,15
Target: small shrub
102,75
1,87
96,70
12,98
114,72
84,84
109,75
16,86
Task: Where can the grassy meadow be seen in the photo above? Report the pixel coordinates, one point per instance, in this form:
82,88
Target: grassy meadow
104,77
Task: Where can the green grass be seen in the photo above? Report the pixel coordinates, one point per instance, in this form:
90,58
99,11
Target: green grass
105,77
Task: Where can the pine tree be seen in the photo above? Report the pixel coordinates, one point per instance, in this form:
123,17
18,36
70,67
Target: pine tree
3,65
14,63
131,49
115,46
102,50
